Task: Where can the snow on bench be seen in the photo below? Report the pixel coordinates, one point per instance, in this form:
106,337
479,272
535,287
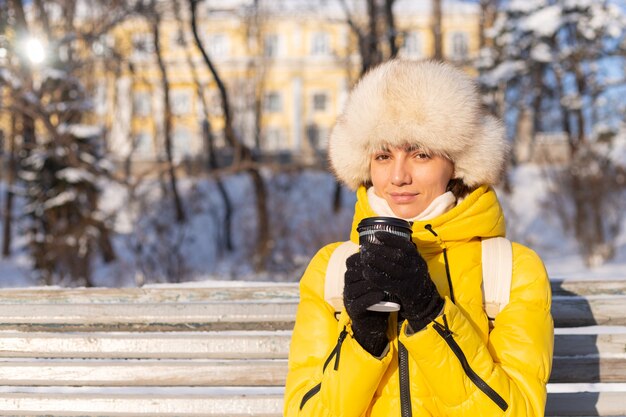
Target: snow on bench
222,350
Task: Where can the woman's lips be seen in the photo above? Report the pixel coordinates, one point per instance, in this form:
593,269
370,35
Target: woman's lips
400,198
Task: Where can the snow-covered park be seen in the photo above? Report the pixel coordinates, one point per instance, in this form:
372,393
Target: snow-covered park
149,243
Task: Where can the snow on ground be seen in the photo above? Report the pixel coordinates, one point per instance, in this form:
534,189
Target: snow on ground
301,207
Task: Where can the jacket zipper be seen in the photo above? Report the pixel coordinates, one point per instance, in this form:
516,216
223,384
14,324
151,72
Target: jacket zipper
335,353
310,393
429,227
446,334
403,372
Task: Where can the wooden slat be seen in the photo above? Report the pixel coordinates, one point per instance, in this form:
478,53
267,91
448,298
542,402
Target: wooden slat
145,372
567,312
141,405
589,311
140,345
588,369
586,404
72,404
608,343
584,288
247,291
590,357
233,372
222,309
225,344
166,294
251,315
250,291
148,317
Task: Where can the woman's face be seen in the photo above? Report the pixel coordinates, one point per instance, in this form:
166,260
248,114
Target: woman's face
409,179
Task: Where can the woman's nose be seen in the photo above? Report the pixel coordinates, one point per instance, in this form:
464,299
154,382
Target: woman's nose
400,174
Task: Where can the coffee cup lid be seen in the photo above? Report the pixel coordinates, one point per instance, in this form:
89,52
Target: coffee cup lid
390,221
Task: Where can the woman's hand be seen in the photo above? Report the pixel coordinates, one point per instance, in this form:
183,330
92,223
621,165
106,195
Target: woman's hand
397,267
368,327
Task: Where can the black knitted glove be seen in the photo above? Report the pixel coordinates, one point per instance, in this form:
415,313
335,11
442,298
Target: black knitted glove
369,327
397,267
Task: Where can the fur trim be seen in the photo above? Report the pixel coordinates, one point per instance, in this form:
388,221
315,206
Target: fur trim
429,104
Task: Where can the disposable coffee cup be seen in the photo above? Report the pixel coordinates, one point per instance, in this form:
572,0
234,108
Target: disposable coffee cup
367,229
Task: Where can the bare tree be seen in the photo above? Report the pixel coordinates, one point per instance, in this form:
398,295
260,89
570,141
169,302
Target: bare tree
488,13
367,33
155,23
207,132
10,193
257,68
243,157
436,29
392,33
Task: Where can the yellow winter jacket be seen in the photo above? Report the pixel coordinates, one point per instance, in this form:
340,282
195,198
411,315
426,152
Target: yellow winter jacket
454,366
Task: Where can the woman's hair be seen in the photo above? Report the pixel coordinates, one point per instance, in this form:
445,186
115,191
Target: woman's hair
459,188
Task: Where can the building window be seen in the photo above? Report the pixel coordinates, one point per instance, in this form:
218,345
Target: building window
142,103
320,44
317,136
270,46
320,102
143,46
214,102
181,141
180,100
272,102
412,47
217,45
177,39
143,144
100,99
274,140
459,46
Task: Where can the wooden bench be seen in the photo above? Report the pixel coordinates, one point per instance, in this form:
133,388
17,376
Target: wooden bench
222,351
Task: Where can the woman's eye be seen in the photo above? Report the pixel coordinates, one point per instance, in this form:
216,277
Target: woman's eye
381,157
422,155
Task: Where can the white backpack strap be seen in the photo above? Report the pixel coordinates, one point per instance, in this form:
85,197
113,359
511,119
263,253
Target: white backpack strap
497,258
335,271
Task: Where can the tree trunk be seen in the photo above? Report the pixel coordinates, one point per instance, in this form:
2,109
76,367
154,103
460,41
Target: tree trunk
21,30
263,230
167,131
8,202
372,50
228,206
391,28
437,30
242,153
367,40
488,14
337,197
209,140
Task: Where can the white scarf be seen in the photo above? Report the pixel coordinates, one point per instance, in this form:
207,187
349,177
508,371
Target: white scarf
437,207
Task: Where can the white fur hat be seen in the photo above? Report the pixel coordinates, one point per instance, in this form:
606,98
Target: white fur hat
433,105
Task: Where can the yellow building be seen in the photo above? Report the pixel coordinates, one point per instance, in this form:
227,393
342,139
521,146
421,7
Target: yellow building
288,68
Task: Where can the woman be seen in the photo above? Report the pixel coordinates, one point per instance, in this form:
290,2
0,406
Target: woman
414,143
